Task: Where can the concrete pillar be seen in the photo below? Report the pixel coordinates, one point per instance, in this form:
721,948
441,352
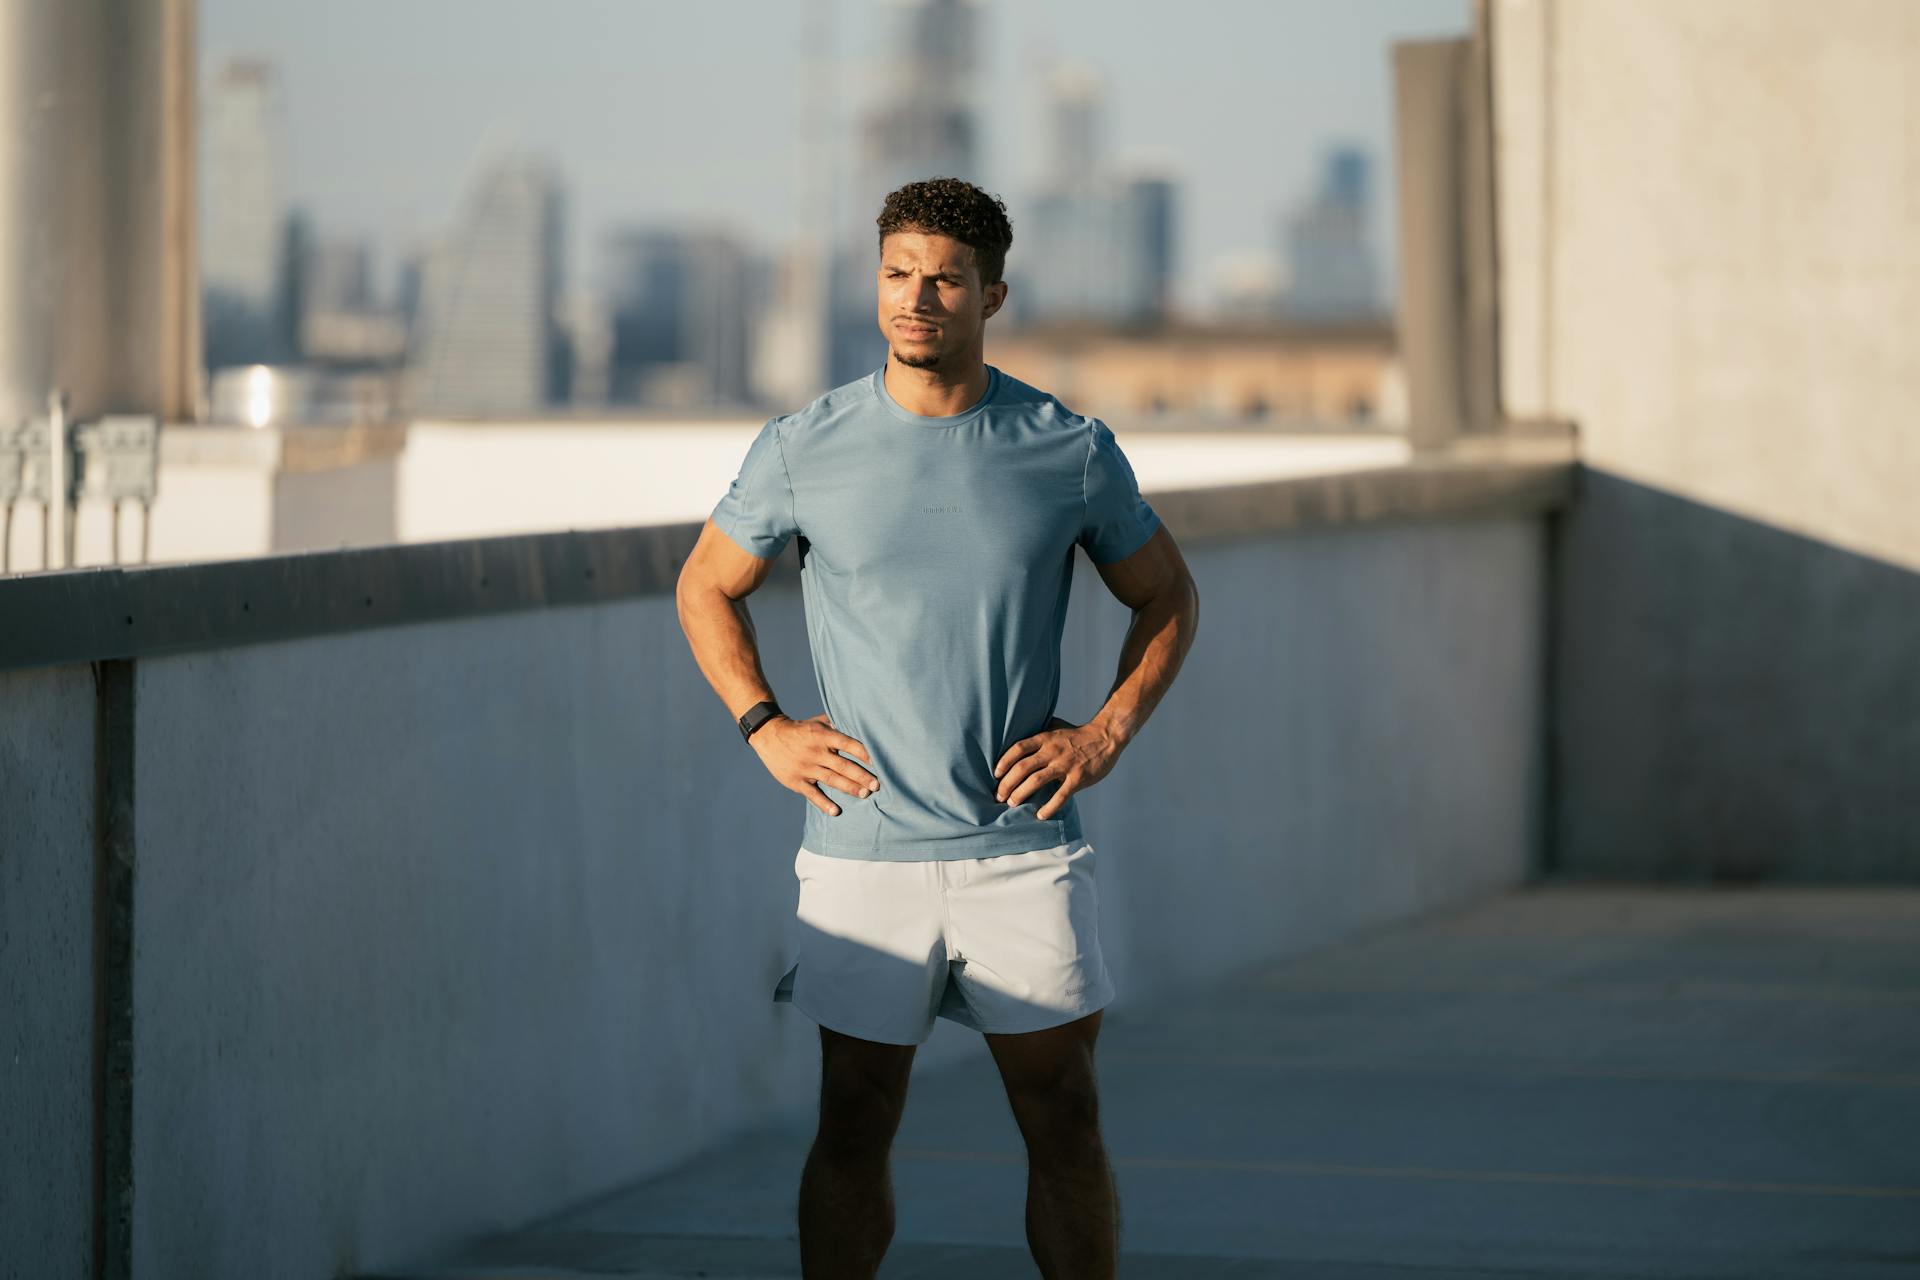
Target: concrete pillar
1448,286
99,276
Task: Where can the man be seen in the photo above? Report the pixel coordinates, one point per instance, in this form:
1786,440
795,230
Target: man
937,504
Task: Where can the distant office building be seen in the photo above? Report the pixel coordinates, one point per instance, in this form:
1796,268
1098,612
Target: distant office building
1075,128
923,126
678,303
339,274
1150,201
488,339
409,280
341,320
290,291
789,342
1096,246
1333,274
1101,256
243,214
589,349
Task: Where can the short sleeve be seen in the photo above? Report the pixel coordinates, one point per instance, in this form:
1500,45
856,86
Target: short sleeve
757,509
1118,520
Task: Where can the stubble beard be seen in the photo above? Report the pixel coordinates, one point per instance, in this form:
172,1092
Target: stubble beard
928,360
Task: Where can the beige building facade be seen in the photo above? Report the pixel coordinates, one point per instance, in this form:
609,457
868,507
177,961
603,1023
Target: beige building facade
1296,377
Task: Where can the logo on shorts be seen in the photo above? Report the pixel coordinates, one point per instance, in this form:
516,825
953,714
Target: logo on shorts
949,510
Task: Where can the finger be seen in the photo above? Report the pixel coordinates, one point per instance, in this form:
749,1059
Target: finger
854,745
818,799
1020,769
1014,752
1058,802
842,782
1034,781
851,771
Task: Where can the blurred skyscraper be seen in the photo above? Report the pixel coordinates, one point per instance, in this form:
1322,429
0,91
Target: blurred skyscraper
679,318
1097,246
924,125
339,274
1076,133
487,336
290,289
243,214
342,320
1333,272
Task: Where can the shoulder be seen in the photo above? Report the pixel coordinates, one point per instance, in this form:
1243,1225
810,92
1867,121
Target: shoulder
827,408
1043,406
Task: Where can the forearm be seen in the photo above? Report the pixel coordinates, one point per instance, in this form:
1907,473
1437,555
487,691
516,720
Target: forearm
720,632
1156,644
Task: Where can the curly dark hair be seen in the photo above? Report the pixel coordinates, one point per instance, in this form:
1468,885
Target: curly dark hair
952,207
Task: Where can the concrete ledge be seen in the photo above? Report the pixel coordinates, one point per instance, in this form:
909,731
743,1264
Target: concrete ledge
1511,478
87,615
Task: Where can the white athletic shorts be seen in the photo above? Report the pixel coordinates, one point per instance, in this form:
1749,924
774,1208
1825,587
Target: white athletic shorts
1006,943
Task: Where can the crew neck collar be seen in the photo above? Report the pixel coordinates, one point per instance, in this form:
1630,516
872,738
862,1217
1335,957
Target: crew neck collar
994,381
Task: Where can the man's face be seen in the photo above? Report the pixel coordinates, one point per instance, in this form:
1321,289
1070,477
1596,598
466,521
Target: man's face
932,304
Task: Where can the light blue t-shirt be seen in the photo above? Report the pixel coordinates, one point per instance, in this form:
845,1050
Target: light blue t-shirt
936,556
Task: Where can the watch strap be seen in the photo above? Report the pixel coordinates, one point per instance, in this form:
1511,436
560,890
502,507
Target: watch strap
756,715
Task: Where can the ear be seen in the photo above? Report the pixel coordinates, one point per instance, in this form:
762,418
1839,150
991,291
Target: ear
996,298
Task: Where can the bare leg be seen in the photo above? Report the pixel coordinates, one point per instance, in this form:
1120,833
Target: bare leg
1073,1208
846,1196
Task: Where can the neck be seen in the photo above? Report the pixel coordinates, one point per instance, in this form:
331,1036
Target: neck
941,391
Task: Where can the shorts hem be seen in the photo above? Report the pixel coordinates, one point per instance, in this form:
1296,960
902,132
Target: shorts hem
878,1035
1055,1018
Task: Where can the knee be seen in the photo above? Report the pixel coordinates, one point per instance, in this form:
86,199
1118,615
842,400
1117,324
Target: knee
1058,1114
858,1116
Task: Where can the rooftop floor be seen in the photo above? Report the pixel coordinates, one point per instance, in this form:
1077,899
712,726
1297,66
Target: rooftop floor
1569,1080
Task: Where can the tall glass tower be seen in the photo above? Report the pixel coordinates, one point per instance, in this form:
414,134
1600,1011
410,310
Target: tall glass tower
488,335
243,212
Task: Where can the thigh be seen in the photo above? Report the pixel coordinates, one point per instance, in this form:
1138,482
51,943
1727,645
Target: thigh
1032,1061
870,962
1050,1081
863,1088
1026,928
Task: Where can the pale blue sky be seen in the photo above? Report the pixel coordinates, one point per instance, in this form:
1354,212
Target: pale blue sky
677,111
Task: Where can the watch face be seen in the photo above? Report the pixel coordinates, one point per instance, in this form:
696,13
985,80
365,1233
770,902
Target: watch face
756,715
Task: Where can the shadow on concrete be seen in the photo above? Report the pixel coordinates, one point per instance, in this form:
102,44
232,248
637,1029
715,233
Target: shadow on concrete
1728,700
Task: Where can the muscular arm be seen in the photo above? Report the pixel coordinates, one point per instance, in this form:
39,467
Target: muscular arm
711,598
1154,582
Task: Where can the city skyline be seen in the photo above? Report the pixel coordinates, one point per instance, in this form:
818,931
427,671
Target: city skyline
358,170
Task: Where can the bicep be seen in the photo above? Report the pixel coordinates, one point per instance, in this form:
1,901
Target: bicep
1140,578
719,563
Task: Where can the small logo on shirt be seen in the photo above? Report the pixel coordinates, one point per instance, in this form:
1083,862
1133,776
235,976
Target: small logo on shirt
948,510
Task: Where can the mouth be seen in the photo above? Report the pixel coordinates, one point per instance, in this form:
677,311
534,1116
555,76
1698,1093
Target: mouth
915,329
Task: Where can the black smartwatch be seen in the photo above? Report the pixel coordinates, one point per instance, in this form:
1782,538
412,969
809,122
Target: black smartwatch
756,715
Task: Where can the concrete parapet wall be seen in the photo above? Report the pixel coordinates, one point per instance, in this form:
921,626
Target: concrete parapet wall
47,1039
459,901
454,923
